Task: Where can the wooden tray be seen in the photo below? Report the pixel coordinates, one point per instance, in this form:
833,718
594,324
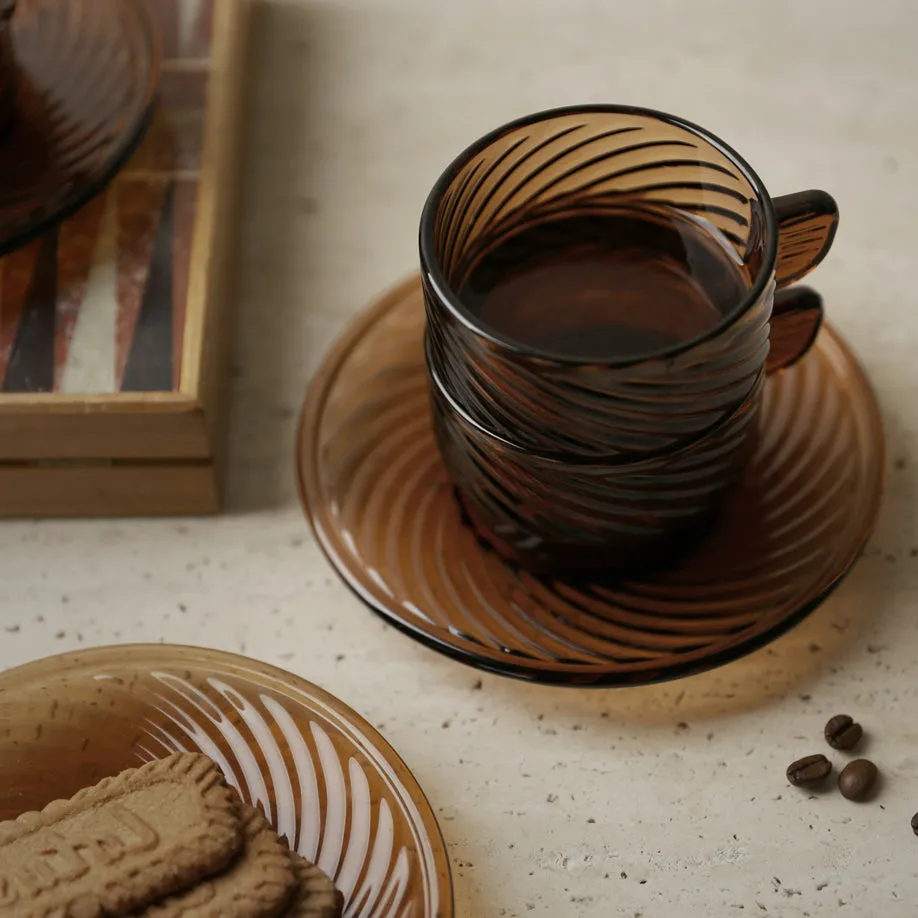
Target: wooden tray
114,327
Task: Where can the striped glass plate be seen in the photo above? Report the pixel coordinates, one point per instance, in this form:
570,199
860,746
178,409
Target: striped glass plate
324,777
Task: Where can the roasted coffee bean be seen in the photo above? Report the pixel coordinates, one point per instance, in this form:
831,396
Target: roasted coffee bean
809,770
857,779
915,823
842,732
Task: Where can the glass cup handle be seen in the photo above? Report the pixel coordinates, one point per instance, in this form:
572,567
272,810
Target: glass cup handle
807,221
795,321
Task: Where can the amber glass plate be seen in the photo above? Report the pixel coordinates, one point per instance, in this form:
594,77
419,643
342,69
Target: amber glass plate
323,776
383,510
83,75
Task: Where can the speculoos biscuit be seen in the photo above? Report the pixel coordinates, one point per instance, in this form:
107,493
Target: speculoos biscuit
258,884
315,895
113,848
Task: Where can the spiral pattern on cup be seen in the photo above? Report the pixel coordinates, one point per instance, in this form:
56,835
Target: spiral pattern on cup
586,162
378,497
549,513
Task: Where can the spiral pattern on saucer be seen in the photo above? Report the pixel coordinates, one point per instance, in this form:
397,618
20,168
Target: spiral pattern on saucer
84,74
377,495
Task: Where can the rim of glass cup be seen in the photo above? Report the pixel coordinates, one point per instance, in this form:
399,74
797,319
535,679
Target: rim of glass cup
433,273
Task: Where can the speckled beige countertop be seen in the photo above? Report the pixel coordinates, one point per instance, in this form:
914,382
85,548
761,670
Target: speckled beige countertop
663,801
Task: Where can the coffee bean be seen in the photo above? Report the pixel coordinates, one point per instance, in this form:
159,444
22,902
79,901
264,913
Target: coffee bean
915,823
842,732
809,770
857,779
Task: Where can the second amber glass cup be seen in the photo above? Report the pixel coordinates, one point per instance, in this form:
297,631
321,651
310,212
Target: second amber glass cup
600,286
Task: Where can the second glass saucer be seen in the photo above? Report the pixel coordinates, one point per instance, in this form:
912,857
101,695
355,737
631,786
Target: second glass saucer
80,78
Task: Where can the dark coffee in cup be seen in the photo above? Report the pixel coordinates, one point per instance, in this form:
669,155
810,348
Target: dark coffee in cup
606,285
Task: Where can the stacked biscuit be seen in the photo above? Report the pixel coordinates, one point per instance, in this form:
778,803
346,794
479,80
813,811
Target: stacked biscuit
168,840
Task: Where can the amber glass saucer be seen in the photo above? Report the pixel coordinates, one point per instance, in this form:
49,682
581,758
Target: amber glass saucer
323,776
81,75
383,510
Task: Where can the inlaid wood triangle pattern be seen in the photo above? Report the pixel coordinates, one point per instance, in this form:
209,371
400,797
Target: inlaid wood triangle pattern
97,305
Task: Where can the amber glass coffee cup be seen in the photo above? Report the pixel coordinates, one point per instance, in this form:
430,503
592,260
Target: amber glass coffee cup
600,287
